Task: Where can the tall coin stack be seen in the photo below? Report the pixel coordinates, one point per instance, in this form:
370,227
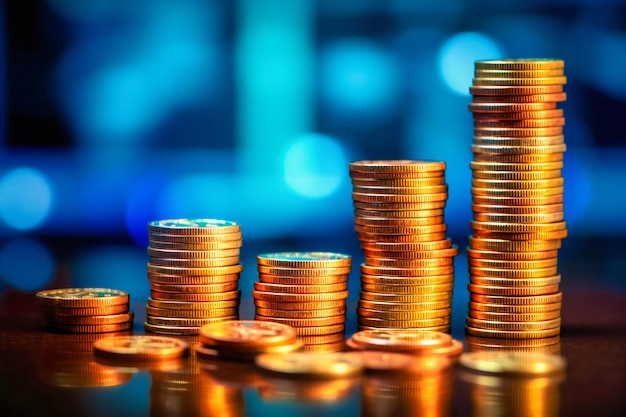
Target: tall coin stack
194,274
517,202
408,275
308,291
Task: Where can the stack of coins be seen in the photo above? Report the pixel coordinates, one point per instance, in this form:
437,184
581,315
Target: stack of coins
245,339
306,290
408,274
517,200
194,274
85,310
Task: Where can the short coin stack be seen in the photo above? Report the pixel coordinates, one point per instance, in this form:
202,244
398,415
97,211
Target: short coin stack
306,290
517,202
194,274
408,275
85,310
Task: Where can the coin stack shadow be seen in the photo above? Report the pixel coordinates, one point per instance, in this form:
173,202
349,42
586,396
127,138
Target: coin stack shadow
194,274
308,291
408,275
517,203
85,310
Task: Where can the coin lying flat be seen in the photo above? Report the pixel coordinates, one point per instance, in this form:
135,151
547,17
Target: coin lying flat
141,347
82,297
513,363
331,365
247,333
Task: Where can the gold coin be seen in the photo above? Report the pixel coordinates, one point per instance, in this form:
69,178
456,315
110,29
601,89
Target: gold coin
530,98
320,331
373,175
517,184
327,348
399,198
141,347
301,314
526,123
191,306
403,315
508,264
195,289
300,306
247,334
517,201
193,227
226,238
391,280
445,328
390,306
517,301
407,289
90,328
247,354
303,272
483,137
403,324
537,158
513,334
192,314
519,150
554,349
90,320
513,326
399,182
196,247
220,296
515,282
386,206
313,322
517,64
323,339
192,254
431,354
515,167
192,271
409,263
305,260
195,263
527,193
185,321
399,166
171,330
481,90
552,235
401,340
512,256
515,309
514,82
405,222
509,107
405,298
84,311
493,341
425,254
406,272
516,175
322,280
300,289
513,273
407,247
82,297
547,218
331,365
513,246
405,214
410,238
371,189
192,280
513,291
520,210
517,73
520,115
514,317
297,298
516,363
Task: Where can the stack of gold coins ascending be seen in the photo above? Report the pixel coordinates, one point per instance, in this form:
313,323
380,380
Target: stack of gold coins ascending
408,274
194,274
517,201
306,290
85,310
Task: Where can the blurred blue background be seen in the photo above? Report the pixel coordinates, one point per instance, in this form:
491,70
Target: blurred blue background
114,113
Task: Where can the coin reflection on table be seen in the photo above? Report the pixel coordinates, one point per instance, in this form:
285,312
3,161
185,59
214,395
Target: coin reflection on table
67,360
513,383
423,389
296,389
